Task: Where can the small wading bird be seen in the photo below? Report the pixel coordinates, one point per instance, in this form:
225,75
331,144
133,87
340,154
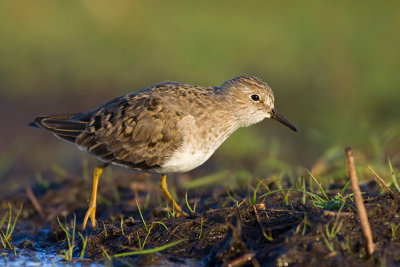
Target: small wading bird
167,128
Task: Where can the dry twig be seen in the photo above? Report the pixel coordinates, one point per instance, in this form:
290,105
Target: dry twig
34,201
336,213
241,260
381,181
365,226
258,217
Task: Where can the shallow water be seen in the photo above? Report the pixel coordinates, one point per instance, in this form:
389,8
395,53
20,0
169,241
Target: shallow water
37,251
45,259
32,259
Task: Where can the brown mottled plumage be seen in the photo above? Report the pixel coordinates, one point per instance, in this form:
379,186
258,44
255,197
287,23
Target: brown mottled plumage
170,127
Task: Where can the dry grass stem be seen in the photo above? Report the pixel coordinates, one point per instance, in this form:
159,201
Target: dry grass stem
380,181
241,260
258,217
34,201
331,254
365,226
335,213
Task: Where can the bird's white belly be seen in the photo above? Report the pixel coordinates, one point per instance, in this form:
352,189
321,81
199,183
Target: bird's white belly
186,159
198,146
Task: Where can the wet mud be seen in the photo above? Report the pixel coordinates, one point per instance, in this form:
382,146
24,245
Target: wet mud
226,228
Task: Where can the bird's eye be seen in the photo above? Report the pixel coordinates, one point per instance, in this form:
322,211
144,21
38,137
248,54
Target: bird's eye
255,97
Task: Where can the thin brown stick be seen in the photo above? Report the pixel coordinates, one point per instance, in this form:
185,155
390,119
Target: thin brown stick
362,213
335,213
241,260
331,254
381,181
258,217
34,201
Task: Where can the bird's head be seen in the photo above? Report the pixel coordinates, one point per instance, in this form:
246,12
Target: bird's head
252,101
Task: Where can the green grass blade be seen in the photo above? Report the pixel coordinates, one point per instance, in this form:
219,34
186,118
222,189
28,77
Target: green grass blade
318,198
303,188
105,229
234,200
140,243
166,228
304,224
71,249
254,200
394,177
122,226
2,240
286,199
268,237
62,227
201,227
9,221
187,203
318,184
345,188
84,242
141,216
327,231
3,220
105,253
148,251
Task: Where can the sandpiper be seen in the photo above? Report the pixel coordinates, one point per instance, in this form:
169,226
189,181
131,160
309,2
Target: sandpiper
167,128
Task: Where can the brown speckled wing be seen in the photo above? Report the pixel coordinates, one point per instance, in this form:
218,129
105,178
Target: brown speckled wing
139,130
132,131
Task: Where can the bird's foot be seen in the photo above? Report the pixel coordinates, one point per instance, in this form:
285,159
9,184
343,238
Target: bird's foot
92,214
181,214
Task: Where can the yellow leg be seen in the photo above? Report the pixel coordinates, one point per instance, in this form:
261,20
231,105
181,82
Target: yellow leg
92,206
164,188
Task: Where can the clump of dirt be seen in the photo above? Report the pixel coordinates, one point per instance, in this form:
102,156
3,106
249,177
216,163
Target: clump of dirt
279,230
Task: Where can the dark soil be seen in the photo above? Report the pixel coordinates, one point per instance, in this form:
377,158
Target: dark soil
220,231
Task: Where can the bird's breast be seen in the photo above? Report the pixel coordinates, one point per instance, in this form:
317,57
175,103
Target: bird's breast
199,142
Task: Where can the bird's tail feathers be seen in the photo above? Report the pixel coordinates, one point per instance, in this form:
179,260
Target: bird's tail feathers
65,126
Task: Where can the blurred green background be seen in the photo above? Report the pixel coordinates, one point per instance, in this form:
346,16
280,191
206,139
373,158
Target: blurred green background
334,67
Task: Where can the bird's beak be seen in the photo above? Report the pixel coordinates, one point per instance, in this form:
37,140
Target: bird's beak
276,116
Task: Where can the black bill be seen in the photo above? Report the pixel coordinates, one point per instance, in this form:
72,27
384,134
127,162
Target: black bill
276,116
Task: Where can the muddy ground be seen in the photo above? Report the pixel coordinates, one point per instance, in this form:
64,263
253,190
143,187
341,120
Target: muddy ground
225,229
